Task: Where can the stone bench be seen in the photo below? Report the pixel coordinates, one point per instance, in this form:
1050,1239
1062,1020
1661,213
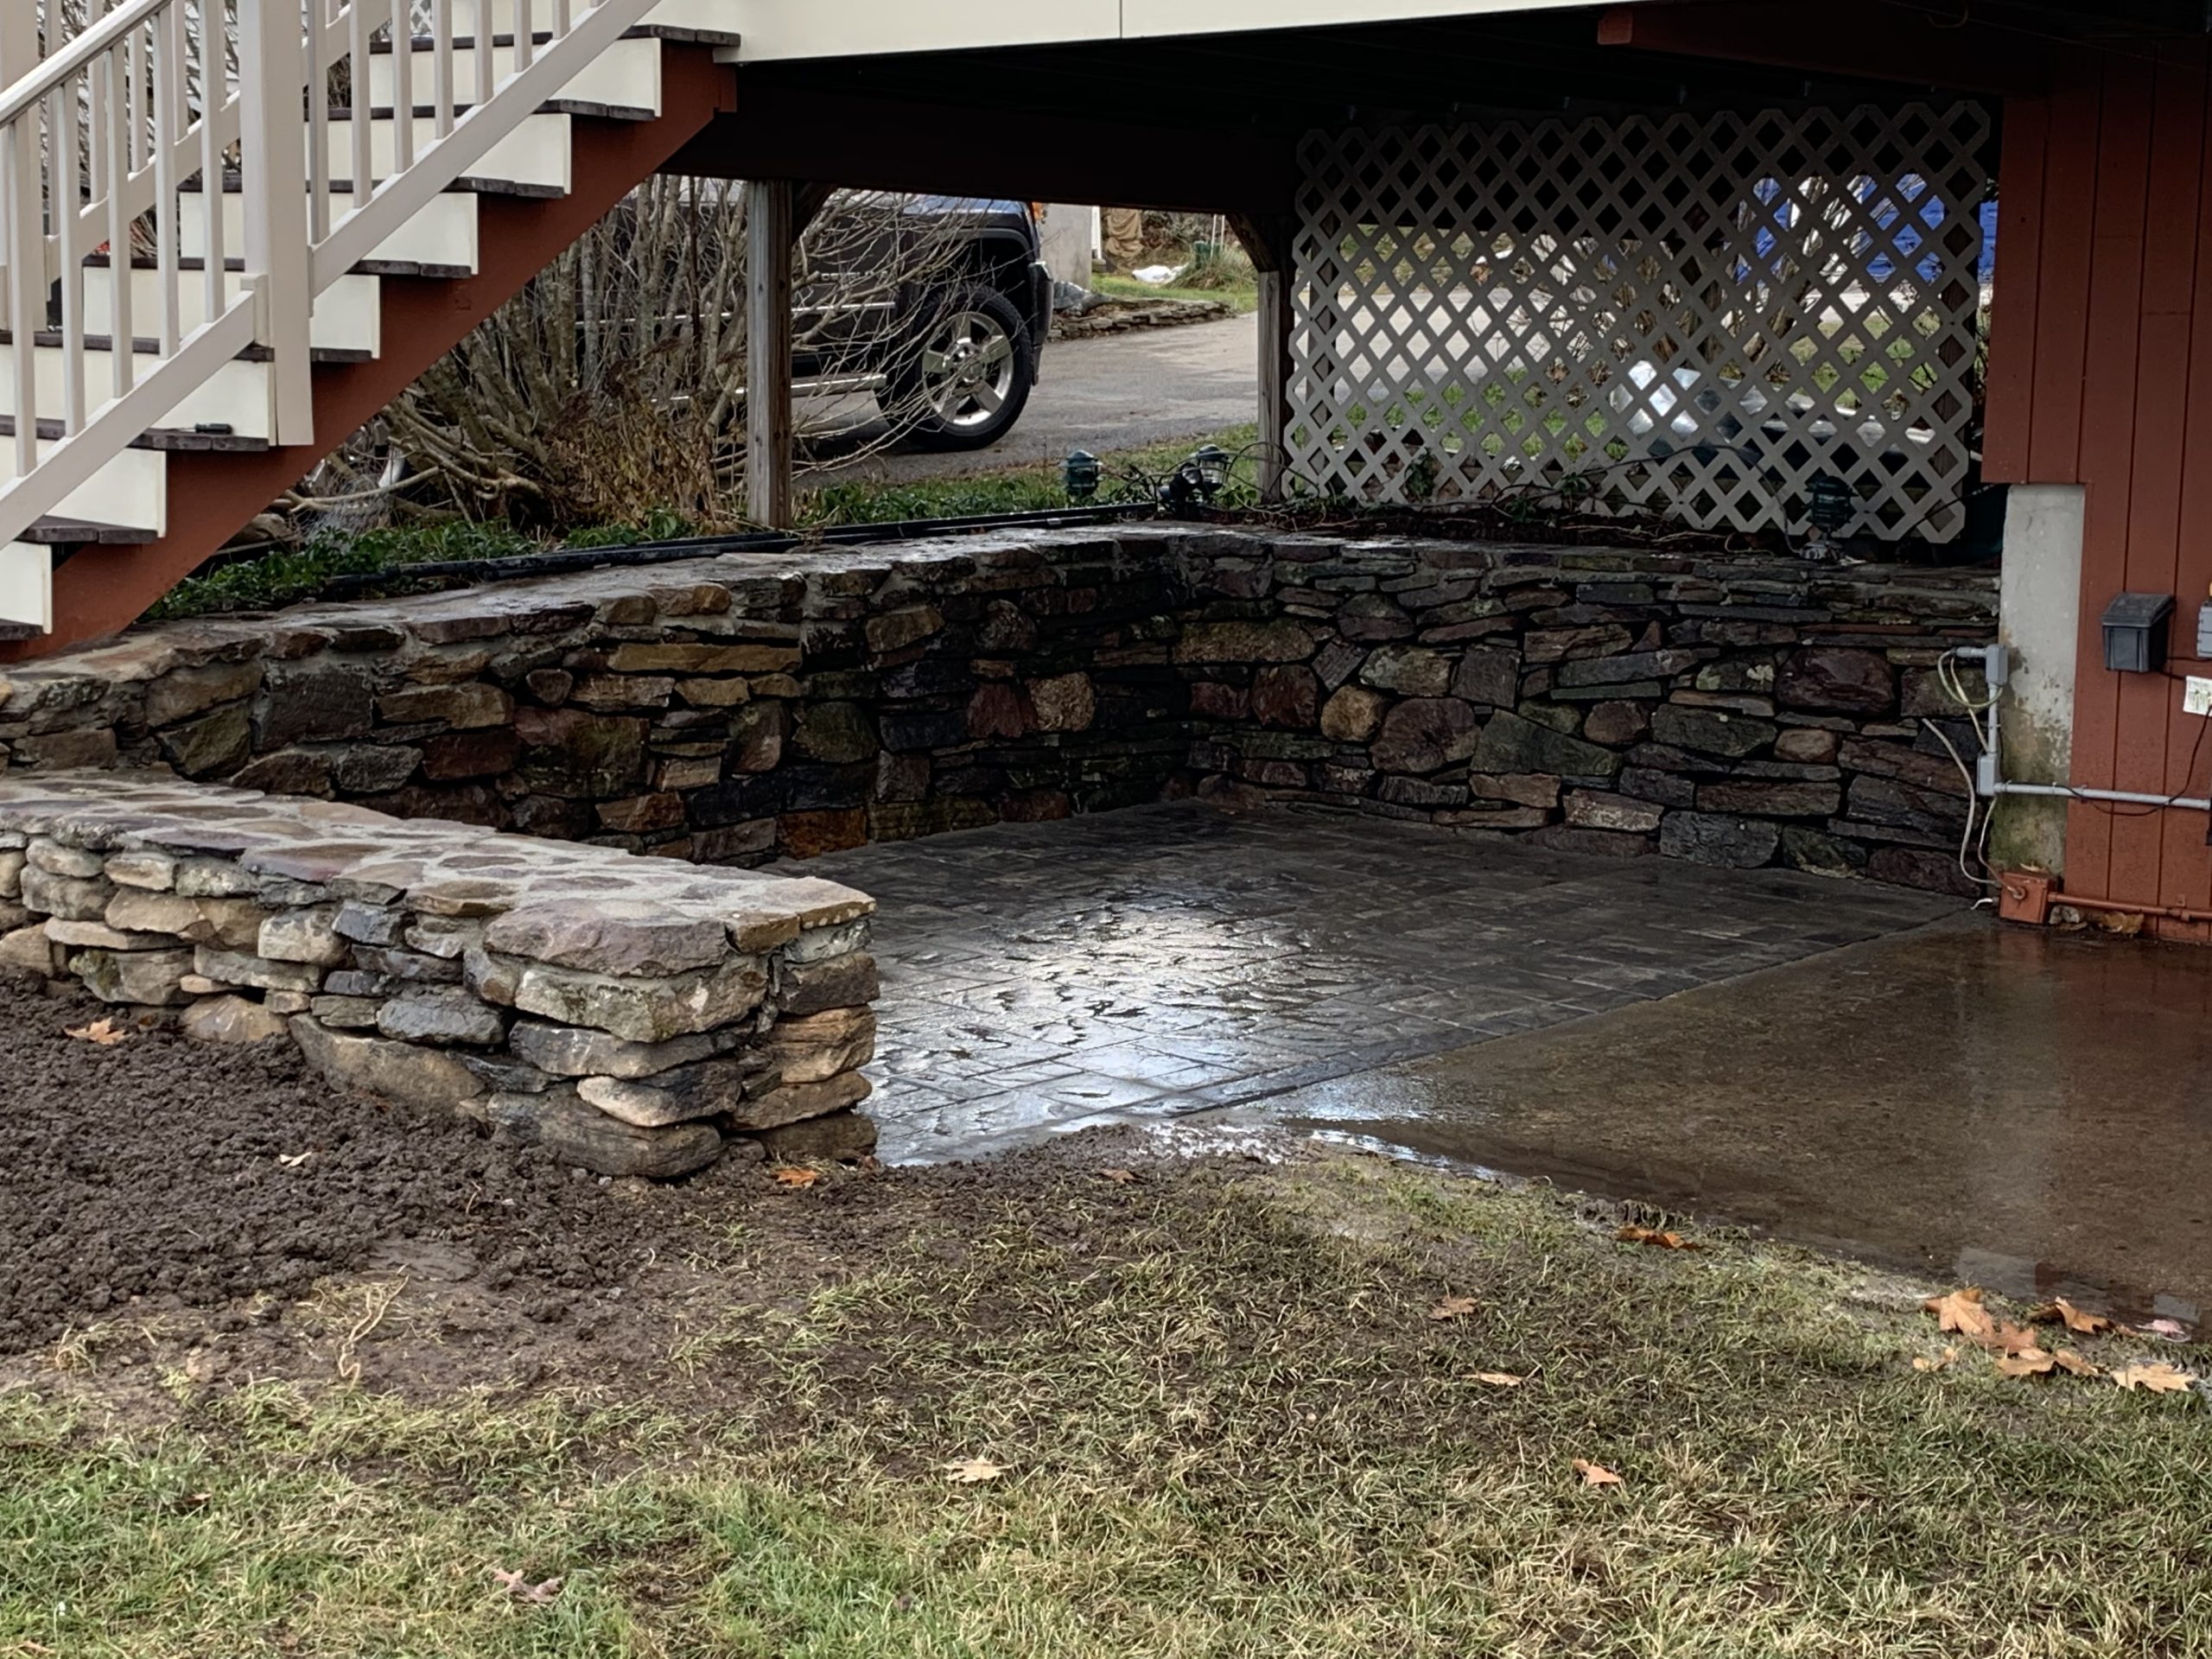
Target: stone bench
635,1015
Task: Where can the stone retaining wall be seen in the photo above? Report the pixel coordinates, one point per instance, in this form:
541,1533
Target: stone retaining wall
637,1016
1737,711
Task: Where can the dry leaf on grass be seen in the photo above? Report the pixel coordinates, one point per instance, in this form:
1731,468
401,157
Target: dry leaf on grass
1500,1379
104,1032
2070,1361
793,1176
1119,1177
522,1590
2078,1320
1596,1474
1453,1307
1653,1237
1944,1361
2010,1338
973,1472
1961,1311
2026,1361
2159,1378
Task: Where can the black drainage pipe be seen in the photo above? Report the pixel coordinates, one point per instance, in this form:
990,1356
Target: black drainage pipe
566,561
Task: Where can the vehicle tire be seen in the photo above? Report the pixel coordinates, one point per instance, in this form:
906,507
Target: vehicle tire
967,378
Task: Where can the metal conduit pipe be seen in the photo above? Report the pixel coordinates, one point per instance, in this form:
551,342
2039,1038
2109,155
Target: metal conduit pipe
1992,783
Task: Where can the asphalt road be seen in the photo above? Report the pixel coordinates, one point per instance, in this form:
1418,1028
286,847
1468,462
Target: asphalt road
1120,392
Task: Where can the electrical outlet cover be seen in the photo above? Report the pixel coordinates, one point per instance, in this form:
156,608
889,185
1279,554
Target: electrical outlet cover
2196,696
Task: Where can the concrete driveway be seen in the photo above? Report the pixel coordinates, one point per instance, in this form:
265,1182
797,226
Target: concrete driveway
1120,392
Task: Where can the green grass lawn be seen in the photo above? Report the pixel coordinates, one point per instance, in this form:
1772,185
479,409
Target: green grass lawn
1228,1420
1239,289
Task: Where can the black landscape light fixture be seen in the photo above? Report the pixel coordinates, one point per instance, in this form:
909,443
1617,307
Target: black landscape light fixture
1831,504
1079,474
1214,464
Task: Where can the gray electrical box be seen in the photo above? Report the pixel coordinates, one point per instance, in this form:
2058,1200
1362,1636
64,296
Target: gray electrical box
2135,632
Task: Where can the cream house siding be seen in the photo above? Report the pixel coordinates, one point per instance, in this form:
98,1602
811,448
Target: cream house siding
776,29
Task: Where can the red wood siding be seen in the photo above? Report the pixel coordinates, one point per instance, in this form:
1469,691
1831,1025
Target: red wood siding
2100,375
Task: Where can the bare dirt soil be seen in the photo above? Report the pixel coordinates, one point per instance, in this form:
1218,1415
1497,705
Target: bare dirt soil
172,1207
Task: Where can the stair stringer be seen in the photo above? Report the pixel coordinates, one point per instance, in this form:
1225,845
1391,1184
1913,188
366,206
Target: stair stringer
212,496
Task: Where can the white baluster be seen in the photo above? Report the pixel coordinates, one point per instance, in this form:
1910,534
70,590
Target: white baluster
113,66
279,264
357,13
318,118
63,216
168,50
403,85
214,94
19,161
441,60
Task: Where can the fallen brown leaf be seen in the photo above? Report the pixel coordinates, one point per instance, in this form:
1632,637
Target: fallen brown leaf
1944,1361
1961,1311
2160,1378
2026,1361
793,1176
1453,1307
1119,1177
104,1032
1596,1474
2079,1320
522,1590
2010,1338
1500,1379
972,1471
1653,1237
2070,1361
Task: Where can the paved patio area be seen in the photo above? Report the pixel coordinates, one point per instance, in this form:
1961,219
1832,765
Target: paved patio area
1171,959
1857,1067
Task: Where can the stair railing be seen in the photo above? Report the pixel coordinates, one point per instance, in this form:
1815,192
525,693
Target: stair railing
96,143
154,100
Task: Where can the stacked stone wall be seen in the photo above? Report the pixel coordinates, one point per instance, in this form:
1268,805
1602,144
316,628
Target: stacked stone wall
636,1016
1742,712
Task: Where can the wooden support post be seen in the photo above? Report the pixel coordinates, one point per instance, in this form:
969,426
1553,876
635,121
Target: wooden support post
1267,237
768,218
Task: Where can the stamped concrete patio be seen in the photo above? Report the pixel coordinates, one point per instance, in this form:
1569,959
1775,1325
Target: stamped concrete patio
1038,978
1845,1064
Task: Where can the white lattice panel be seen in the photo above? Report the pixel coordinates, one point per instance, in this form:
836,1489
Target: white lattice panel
1690,315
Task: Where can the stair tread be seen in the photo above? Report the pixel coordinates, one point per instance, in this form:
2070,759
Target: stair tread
148,345
364,268
557,105
83,532
175,440
674,35
233,186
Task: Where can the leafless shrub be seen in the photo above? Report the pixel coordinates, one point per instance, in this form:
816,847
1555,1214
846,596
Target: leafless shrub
613,387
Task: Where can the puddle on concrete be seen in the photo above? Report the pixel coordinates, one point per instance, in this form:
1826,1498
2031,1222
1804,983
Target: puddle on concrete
2023,1110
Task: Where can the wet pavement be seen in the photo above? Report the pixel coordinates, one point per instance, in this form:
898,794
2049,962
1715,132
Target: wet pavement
2022,1109
1851,1066
1171,959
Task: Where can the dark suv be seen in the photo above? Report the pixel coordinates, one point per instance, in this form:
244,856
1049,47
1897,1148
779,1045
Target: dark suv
966,340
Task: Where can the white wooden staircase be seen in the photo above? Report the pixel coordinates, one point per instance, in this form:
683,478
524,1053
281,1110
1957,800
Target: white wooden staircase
216,264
